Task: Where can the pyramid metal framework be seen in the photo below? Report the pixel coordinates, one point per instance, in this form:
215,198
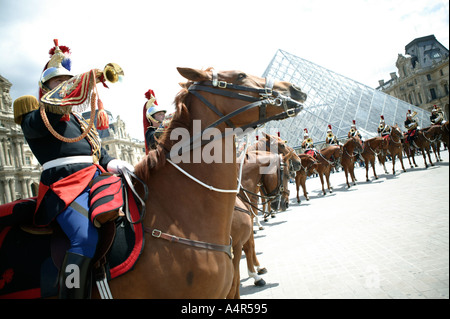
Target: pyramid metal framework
336,100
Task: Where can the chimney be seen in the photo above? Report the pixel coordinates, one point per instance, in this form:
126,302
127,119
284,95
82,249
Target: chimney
393,75
381,82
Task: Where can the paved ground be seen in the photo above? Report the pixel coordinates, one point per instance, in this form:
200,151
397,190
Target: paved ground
387,238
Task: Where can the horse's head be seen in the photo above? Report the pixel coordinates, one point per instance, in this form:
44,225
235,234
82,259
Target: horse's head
274,180
278,145
309,163
243,100
357,143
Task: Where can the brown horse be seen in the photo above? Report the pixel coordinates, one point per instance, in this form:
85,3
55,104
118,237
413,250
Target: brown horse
182,207
421,142
372,147
308,167
187,225
327,158
354,144
394,149
276,145
241,230
261,170
435,134
445,134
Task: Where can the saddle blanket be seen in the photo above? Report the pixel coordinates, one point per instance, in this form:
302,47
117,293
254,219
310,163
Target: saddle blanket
29,262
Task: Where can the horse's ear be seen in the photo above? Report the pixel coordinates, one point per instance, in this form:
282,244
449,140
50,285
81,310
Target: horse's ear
193,74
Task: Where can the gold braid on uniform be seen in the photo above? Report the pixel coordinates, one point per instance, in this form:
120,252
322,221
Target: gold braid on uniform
92,137
89,131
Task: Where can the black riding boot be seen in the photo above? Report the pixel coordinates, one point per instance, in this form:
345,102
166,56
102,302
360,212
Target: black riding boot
75,277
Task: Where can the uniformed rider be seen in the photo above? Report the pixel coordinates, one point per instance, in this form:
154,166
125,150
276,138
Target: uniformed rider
153,117
308,144
68,165
437,116
331,139
411,126
383,129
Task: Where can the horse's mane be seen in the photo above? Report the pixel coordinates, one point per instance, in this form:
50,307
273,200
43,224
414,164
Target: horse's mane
156,158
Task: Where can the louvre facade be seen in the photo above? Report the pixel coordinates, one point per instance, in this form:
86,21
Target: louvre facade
335,100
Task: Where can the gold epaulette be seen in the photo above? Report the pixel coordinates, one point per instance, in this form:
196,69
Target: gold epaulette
23,105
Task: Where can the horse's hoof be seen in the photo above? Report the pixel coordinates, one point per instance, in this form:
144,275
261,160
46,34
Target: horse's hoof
262,271
260,283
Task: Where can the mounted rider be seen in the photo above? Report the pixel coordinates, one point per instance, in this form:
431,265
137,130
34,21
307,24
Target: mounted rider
354,131
308,144
153,117
70,161
383,129
437,116
411,126
331,139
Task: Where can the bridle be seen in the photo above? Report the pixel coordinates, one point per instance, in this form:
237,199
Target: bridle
267,96
267,196
358,145
399,137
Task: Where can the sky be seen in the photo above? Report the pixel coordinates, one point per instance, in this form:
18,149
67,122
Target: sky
360,39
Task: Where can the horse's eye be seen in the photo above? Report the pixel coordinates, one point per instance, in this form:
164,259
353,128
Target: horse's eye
241,76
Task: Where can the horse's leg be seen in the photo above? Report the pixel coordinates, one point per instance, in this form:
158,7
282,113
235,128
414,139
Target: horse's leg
366,161
429,155
237,254
413,154
256,220
327,177
393,162
407,152
352,172
250,255
303,183
382,160
438,149
346,172
400,157
373,168
321,180
297,186
424,158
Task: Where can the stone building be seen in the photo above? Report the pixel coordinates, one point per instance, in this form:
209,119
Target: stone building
20,171
423,75
117,141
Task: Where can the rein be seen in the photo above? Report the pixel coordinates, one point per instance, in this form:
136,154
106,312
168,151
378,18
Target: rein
276,193
370,147
267,96
399,138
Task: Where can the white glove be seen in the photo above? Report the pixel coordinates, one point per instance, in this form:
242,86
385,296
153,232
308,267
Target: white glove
116,166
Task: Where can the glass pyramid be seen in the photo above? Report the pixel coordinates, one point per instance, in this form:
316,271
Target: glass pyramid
336,100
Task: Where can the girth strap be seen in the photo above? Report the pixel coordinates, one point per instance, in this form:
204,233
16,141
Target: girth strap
228,249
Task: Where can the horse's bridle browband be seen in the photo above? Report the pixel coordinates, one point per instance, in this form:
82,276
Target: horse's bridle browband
267,96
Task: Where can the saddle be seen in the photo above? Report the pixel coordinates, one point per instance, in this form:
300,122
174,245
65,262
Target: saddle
30,257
